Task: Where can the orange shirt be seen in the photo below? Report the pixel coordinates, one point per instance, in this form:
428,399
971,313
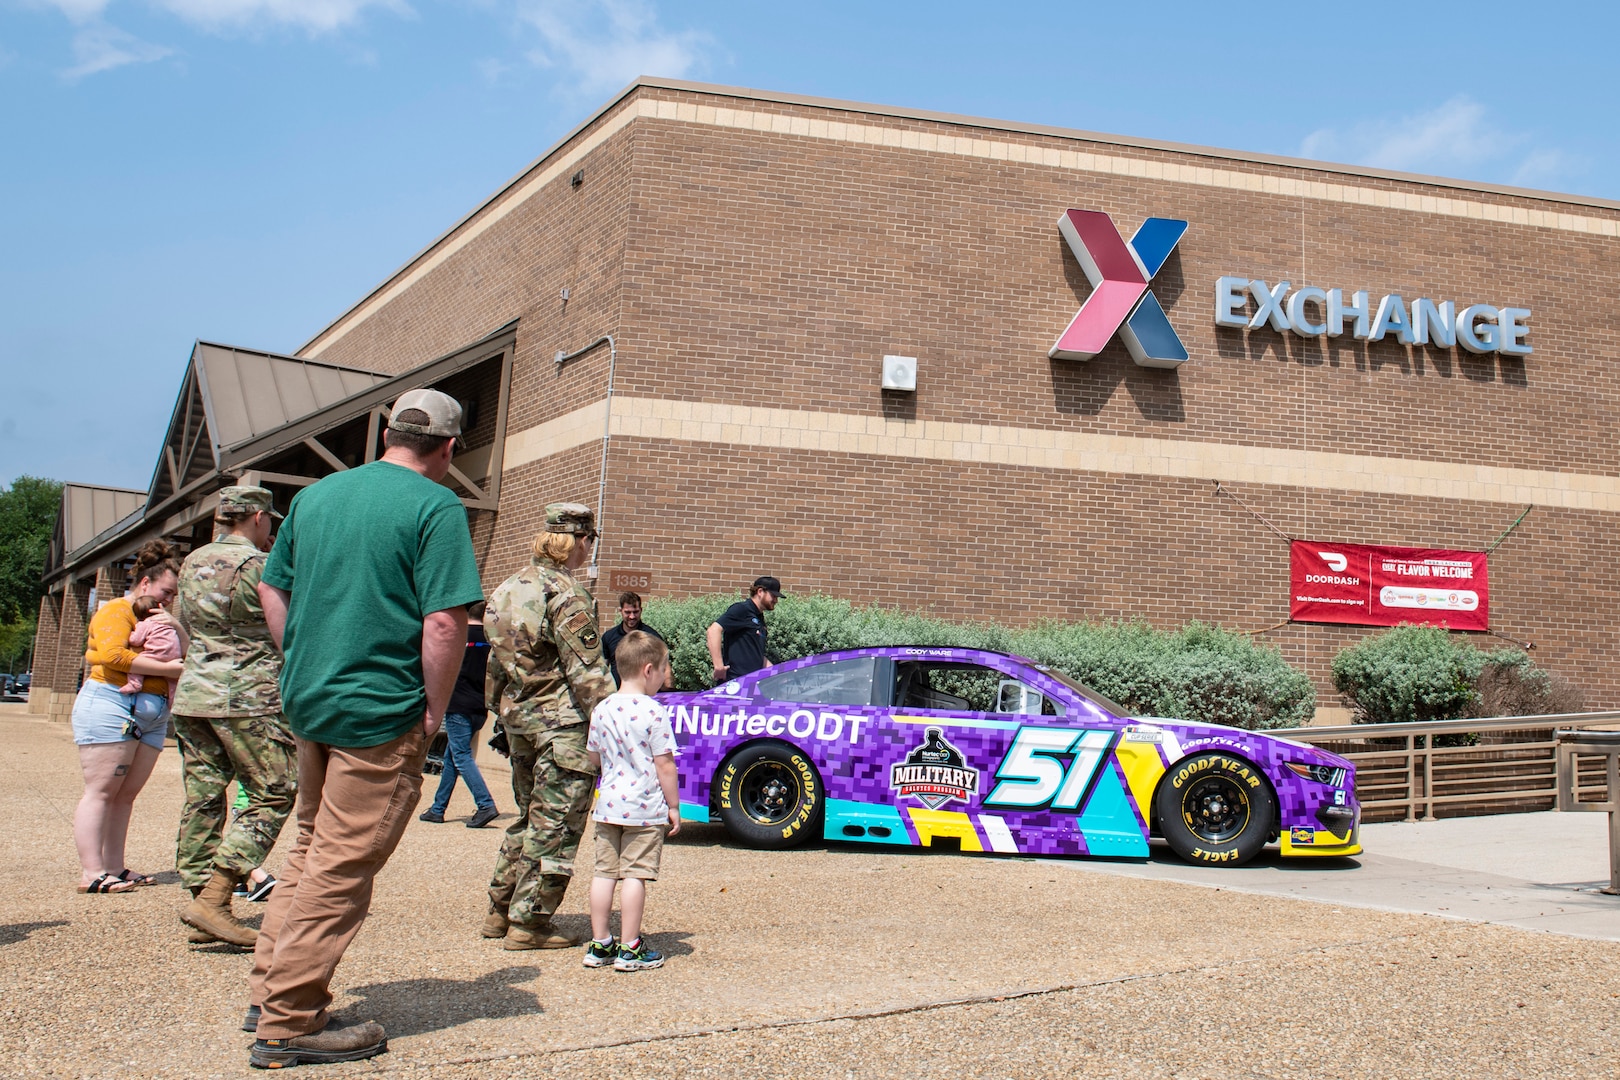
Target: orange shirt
108,652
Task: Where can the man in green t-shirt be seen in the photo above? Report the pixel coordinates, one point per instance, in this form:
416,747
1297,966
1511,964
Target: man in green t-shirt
366,593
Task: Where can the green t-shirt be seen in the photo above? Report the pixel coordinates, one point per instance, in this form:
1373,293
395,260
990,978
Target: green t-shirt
366,554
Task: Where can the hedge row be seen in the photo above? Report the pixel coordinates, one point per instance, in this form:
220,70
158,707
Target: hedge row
1199,672
1414,673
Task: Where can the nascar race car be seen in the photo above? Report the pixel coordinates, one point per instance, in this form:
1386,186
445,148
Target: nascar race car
987,752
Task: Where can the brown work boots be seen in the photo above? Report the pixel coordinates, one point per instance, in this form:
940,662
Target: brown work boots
544,936
340,1040
210,913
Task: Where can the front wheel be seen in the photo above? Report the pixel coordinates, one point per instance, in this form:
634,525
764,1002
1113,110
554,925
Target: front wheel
1215,809
770,796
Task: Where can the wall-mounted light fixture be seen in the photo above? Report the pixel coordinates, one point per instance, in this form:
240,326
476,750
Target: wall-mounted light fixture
900,373
577,179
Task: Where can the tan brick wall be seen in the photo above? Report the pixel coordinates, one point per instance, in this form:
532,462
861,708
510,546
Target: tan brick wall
775,267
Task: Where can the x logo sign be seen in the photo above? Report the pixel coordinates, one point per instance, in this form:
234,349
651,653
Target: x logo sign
1120,301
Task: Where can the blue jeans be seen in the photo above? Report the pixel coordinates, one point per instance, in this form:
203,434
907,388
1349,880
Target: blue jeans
458,761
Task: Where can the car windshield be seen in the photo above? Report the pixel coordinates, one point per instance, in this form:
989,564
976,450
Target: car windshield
1085,691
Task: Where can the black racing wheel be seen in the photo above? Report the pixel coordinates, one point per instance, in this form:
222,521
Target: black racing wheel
1215,809
769,795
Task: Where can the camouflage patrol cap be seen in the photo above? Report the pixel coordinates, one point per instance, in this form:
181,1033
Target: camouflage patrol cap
575,518
246,499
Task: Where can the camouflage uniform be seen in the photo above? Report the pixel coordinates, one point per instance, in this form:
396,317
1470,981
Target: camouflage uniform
227,714
546,674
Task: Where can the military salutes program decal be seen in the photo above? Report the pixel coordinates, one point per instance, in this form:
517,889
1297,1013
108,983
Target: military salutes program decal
934,774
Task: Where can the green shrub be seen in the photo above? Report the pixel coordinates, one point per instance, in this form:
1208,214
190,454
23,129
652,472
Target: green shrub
1199,672
1414,673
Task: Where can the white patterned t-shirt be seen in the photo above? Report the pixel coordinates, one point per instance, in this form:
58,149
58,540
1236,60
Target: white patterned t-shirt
629,730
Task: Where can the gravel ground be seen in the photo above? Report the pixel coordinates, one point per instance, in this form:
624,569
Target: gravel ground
816,963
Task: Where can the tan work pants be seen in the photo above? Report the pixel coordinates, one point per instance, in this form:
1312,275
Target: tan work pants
353,806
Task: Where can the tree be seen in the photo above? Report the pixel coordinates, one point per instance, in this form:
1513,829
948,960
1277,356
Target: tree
27,516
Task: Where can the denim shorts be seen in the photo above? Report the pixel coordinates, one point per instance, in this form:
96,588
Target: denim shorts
102,712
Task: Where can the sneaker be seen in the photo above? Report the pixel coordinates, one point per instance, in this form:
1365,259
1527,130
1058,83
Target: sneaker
339,1041
639,958
483,817
431,815
241,890
600,954
258,891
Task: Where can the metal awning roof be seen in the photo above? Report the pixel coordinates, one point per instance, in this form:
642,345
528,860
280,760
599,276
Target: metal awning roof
87,511
232,396
237,409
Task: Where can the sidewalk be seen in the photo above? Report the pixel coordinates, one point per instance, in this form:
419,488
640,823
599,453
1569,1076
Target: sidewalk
1533,871
821,962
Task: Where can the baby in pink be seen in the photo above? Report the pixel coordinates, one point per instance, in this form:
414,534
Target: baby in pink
158,640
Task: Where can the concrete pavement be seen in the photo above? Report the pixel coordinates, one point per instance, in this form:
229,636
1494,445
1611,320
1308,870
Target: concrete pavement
821,962
1533,871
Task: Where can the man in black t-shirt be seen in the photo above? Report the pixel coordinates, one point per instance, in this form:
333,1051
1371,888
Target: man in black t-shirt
737,638
462,720
629,619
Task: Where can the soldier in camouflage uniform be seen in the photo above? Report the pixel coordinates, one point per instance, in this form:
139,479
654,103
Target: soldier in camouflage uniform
546,674
227,717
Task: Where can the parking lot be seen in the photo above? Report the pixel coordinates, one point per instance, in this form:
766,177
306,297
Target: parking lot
822,962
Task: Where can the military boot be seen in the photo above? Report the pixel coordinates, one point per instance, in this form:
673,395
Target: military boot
495,923
211,912
544,936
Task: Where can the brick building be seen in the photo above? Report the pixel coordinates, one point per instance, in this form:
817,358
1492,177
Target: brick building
754,256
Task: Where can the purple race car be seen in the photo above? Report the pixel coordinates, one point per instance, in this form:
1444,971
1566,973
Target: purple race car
987,752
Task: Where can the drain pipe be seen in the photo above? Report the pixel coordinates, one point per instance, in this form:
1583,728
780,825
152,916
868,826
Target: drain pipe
607,428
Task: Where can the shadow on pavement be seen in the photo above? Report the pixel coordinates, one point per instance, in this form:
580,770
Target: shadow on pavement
12,933
418,1006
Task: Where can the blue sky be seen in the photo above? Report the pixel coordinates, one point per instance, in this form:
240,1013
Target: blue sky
244,170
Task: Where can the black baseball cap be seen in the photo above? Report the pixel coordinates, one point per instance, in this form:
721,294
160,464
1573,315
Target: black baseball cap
769,584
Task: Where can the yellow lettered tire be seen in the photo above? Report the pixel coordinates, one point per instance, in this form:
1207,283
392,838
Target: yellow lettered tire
1215,809
769,795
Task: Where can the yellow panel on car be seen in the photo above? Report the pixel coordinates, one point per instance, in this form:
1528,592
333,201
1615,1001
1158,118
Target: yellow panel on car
932,823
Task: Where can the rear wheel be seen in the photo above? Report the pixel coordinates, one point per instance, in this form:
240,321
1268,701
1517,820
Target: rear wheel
1215,809
770,795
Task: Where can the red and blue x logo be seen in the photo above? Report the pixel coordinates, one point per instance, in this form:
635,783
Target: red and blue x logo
1120,301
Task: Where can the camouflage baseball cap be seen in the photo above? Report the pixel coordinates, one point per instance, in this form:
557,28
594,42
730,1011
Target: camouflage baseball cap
573,518
246,499
444,413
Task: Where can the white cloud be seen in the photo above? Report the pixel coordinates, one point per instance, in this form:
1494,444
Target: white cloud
99,47
316,16
607,43
1456,138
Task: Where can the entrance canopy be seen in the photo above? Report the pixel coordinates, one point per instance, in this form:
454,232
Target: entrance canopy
283,422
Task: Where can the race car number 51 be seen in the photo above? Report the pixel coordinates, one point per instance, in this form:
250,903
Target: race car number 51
1033,775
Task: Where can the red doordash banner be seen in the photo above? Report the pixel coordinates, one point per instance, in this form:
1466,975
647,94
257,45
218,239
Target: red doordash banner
1361,585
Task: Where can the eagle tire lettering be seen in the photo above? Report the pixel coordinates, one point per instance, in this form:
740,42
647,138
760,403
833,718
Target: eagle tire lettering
1215,809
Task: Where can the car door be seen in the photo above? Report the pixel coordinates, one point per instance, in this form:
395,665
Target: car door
985,754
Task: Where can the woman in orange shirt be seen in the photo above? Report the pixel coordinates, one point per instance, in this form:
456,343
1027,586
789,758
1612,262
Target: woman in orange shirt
117,752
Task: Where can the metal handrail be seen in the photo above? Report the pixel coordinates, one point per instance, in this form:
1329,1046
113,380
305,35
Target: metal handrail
1448,727
1404,777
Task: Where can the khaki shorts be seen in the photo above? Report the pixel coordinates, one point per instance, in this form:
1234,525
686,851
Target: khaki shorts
626,851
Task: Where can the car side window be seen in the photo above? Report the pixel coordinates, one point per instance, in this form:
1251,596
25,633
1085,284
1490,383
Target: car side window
837,682
956,687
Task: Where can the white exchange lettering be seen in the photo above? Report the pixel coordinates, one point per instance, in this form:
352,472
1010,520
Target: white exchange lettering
775,724
756,724
793,723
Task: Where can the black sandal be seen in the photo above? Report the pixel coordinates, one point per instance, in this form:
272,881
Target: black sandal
108,883
138,880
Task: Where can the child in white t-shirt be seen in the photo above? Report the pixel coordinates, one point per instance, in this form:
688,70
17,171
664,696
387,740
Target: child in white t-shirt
632,743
